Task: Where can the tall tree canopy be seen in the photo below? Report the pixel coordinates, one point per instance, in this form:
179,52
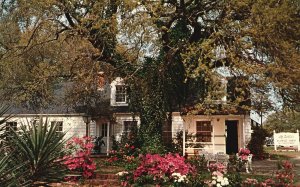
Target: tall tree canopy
283,121
176,50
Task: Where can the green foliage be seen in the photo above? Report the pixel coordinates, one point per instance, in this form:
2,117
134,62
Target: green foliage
6,179
8,172
176,145
152,105
257,142
189,44
235,179
283,121
41,149
127,138
199,162
235,164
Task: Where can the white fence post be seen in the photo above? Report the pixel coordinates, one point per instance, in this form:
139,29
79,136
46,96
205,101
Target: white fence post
183,139
274,140
298,141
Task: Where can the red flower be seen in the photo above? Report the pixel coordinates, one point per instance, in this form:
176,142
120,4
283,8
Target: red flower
80,161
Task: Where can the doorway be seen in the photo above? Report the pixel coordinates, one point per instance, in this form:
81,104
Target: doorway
103,134
232,136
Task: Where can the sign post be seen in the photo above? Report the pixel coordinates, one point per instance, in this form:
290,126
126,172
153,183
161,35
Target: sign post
298,140
274,135
286,139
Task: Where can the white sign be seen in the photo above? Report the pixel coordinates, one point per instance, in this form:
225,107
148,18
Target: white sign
286,139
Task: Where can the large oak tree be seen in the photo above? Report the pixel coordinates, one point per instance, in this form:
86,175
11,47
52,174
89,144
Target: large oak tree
175,50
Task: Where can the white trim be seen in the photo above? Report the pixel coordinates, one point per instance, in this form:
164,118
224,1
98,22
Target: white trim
113,84
183,139
43,115
213,137
107,138
243,131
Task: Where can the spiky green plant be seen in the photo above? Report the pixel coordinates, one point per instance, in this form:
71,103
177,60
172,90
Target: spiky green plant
7,171
4,109
41,148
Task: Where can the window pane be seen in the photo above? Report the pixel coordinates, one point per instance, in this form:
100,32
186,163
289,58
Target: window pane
59,125
11,126
104,130
128,125
36,122
204,130
120,93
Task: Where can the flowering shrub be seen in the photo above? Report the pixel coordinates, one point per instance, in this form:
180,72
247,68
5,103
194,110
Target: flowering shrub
124,155
156,169
268,183
178,178
158,166
250,182
285,175
219,167
125,177
218,179
244,153
79,159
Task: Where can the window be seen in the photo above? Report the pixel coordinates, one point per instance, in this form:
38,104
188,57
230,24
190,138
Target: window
35,122
11,126
128,125
104,130
59,125
204,130
119,93
121,96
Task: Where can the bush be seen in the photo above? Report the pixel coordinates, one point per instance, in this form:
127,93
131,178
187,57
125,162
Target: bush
126,150
256,144
199,162
40,150
79,160
285,174
123,155
159,170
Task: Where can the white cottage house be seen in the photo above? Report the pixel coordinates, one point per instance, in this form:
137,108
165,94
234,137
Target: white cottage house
213,133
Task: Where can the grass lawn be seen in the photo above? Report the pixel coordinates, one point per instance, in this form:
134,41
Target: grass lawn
293,156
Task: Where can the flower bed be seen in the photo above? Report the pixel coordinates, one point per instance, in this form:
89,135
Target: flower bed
79,161
158,170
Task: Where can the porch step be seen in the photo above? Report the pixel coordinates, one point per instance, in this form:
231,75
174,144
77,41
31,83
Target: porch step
99,156
104,182
106,176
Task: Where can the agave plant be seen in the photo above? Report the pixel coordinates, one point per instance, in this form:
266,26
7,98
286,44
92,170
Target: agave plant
7,171
41,149
3,119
